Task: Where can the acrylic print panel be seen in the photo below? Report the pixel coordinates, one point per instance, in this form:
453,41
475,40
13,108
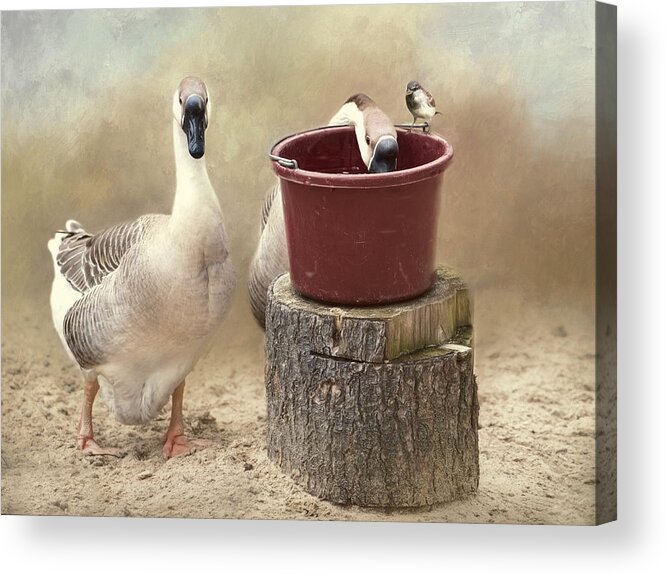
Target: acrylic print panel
527,220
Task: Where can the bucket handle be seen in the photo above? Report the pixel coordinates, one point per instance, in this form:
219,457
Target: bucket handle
293,164
285,162
425,126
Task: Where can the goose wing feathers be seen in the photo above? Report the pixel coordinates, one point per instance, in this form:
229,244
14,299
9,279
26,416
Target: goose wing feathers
87,328
86,259
270,259
92,327
268,204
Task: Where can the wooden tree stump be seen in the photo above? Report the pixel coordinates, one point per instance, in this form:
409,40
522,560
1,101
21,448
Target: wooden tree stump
374,406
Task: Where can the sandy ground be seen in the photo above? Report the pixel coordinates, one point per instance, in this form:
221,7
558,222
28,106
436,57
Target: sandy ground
536,393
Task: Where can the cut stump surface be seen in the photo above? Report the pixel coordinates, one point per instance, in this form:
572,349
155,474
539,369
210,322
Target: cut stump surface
374,406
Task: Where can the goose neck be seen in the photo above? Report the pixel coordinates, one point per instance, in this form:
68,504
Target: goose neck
195,196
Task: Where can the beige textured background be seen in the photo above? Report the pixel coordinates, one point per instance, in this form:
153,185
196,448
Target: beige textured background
86,130
86,134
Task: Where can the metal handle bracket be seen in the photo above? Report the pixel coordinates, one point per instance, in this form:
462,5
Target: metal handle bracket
285,162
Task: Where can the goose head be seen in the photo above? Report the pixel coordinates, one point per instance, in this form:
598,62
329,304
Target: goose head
375,133
191,109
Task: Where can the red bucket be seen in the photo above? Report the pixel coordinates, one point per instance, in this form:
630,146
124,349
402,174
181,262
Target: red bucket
356,238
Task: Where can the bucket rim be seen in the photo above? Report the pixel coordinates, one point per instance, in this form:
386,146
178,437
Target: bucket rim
383,180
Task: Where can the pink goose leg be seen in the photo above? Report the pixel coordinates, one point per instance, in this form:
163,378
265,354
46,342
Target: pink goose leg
176,442
84,432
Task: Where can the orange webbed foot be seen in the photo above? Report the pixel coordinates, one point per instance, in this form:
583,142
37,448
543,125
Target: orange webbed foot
89,446
180,445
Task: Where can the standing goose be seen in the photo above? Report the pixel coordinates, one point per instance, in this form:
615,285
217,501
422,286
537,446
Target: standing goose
377,142
135,305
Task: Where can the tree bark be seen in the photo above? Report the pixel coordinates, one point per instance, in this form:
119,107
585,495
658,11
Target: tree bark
374,406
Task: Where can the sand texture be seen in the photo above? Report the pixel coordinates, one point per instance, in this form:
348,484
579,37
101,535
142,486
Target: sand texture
536,392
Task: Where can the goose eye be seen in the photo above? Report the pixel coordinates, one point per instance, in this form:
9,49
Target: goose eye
180,100
367,140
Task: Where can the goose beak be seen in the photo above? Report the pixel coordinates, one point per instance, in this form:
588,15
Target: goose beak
194,124
385,156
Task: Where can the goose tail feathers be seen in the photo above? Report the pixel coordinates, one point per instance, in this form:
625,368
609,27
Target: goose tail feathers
71,227
74,226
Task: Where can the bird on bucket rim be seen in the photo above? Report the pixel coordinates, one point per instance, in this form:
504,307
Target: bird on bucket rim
376,137
420,103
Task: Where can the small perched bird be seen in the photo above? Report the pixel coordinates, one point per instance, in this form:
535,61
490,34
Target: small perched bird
377,142
420,103
137,304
